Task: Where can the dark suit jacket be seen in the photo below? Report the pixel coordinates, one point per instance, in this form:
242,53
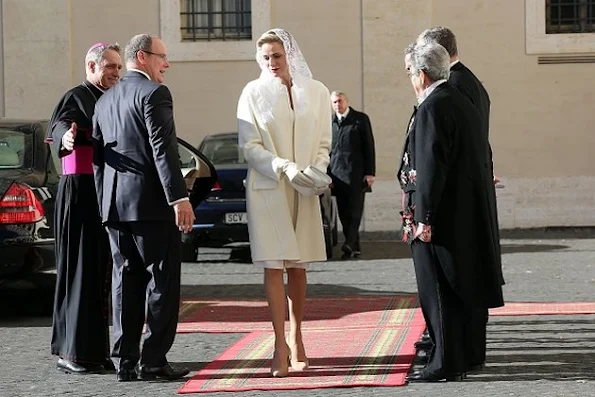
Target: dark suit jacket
451,193
136,162
352,154
465,81
469,85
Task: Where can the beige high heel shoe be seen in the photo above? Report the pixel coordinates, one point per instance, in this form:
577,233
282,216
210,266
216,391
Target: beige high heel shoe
281,372
298,365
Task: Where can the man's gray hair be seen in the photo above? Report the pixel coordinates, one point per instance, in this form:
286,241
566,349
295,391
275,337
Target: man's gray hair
441,35
97,52
409,49
339,93
433,59
140,42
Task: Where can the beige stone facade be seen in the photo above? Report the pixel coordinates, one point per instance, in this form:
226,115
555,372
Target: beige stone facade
542,119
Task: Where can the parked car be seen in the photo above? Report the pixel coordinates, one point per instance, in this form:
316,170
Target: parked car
221,219
28,185
29,176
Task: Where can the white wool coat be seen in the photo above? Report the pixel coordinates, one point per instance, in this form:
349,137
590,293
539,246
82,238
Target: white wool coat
266,143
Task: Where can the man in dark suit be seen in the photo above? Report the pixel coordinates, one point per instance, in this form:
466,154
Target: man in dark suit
446,178
144,205
352,168
469,85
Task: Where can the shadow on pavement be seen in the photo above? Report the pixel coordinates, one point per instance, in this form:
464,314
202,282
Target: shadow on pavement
234,291
529,248
538,233
525,348
32,307
376,250
540,348
32,296
545,365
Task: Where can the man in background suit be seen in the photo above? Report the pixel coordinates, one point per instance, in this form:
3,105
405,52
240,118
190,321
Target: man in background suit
445,175
144,204
352,168
469,85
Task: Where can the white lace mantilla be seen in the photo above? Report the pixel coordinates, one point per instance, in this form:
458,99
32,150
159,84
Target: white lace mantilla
270,89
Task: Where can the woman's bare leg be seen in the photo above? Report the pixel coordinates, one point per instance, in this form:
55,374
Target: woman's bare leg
297,285
275,290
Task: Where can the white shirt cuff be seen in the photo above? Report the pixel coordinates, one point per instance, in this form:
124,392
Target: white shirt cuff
418,230
178,201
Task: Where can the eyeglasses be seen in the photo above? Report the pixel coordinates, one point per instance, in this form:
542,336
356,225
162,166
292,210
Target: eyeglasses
412,72
162,56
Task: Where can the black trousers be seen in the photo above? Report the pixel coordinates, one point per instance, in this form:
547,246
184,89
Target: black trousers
443,311
476,320
146,276
350,206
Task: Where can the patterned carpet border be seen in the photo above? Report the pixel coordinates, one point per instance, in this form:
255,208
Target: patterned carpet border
360,357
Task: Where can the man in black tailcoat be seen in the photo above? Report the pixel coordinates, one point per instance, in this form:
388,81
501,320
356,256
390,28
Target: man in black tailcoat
446,179
463,79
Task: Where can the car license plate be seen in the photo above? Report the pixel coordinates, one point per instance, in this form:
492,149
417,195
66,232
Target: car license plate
236,217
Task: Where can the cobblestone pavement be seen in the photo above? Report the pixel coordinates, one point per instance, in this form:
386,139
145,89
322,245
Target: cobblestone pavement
527,355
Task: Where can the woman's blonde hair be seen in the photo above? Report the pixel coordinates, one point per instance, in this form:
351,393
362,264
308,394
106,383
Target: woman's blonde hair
267,38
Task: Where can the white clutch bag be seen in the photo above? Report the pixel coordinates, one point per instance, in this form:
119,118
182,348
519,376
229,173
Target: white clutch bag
320,180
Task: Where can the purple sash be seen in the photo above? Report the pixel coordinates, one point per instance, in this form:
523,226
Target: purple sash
80,161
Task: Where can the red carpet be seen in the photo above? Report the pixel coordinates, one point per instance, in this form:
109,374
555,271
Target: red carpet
351,341
364,341
543,308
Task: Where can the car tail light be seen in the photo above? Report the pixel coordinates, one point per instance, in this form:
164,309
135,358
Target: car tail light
20,205
216,187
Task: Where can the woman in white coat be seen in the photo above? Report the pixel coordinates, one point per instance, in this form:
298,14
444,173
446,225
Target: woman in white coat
284,125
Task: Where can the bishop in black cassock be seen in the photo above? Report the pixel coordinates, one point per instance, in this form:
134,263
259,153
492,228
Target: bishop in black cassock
80,334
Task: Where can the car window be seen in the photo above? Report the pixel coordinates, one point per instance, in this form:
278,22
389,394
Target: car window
222,151
13,146
187,159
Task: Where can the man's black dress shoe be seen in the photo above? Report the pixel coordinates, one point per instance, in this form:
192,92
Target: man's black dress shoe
165,372
423,357
427,376
357,254
476,367
346,248
347,252
109,366
422,344
126,375
70,367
